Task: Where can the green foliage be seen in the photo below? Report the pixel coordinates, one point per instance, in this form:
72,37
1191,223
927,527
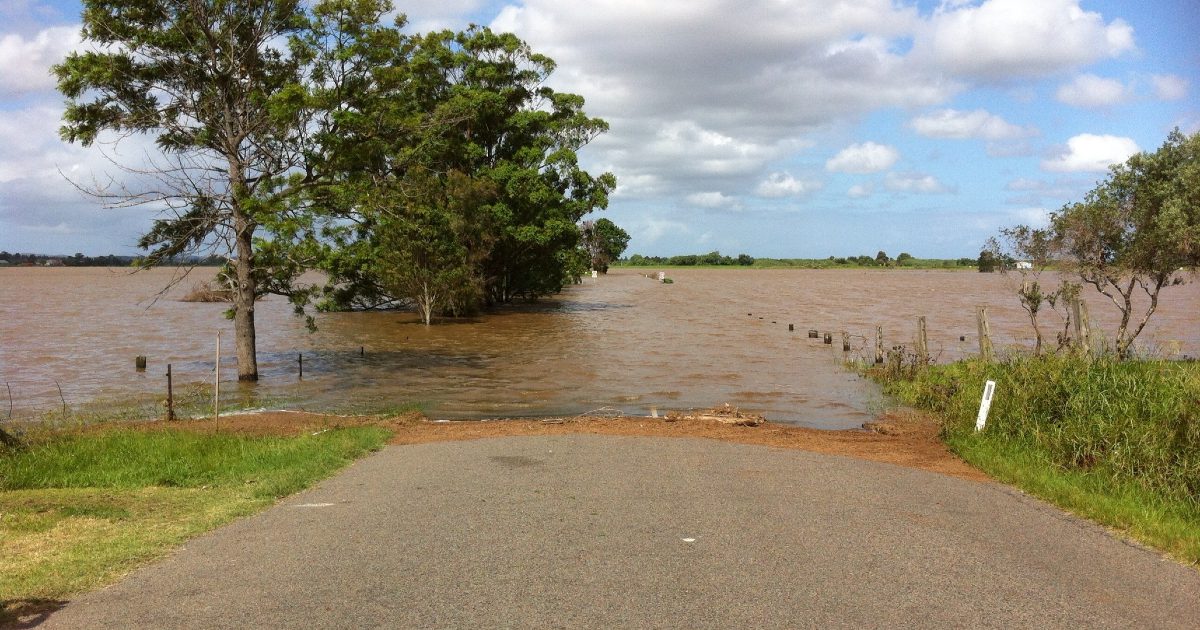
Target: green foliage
987,262
473,106
432,248
604,242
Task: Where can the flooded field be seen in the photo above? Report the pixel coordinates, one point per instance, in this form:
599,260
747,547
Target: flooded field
621,343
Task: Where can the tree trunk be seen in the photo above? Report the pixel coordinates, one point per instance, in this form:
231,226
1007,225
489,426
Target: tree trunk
243,301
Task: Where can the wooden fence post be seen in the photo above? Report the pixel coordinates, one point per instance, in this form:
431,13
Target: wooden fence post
985,334
878,345
1079,317
922,341
170,396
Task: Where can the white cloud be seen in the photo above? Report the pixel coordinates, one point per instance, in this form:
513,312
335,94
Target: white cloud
1169,87
860,191
1092,92
25,63
649,230
914,183
785,185
1035,217
867,157
1010,39
711,200
955,124
722,88
1091,153
687,145
1026,184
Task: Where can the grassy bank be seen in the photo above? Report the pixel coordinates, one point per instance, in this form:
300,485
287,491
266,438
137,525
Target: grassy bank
1116,442
78,510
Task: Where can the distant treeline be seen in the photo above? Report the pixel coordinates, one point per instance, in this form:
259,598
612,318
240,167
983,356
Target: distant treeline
715,259
108,260
688,260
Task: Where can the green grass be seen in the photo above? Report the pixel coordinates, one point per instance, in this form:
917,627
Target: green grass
130,459
1116,442
77,511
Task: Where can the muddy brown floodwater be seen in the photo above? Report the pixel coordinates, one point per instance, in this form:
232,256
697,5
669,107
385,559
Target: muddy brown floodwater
622,343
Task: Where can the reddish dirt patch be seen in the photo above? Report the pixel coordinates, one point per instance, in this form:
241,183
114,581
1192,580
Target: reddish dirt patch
906,439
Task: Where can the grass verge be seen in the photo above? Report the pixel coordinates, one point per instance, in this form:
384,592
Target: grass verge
79,510
1114,442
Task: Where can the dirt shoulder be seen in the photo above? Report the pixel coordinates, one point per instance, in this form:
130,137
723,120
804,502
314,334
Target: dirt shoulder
905,439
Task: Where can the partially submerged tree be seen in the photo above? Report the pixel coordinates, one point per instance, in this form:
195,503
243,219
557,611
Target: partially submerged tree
432,246
210,82
1036,248
472,103
987,261
291,138
604,242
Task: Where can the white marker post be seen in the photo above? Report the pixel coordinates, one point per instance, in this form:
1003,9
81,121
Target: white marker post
217,380
985,405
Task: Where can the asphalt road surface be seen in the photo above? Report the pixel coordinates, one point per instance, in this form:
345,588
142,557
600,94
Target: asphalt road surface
603,532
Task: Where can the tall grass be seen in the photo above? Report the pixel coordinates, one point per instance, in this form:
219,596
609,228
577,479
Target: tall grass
1117,442
1138,421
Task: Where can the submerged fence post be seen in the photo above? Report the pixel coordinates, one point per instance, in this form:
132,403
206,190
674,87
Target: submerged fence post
300,361
845,341
878,345
922,341
170,396
985,334
139,363
1079,317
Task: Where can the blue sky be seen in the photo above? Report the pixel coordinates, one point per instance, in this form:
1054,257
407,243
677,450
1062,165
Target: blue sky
785,128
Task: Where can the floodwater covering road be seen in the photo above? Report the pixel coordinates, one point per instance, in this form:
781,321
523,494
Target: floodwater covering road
623,343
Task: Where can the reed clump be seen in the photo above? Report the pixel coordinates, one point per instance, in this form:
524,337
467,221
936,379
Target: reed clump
208,292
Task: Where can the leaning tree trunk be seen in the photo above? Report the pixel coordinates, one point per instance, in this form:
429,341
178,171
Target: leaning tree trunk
243,301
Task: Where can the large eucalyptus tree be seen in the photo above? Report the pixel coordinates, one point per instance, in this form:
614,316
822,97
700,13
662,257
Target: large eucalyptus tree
213,83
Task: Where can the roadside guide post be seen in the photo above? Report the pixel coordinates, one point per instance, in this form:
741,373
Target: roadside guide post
985,405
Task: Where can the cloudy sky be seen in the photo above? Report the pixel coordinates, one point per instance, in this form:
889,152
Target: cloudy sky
784,128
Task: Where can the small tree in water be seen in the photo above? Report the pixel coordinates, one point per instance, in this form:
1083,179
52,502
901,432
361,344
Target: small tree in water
1035,247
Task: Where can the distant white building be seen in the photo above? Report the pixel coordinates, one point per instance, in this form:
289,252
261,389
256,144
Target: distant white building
1024,264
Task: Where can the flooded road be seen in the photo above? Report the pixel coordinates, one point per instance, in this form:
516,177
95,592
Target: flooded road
621,343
